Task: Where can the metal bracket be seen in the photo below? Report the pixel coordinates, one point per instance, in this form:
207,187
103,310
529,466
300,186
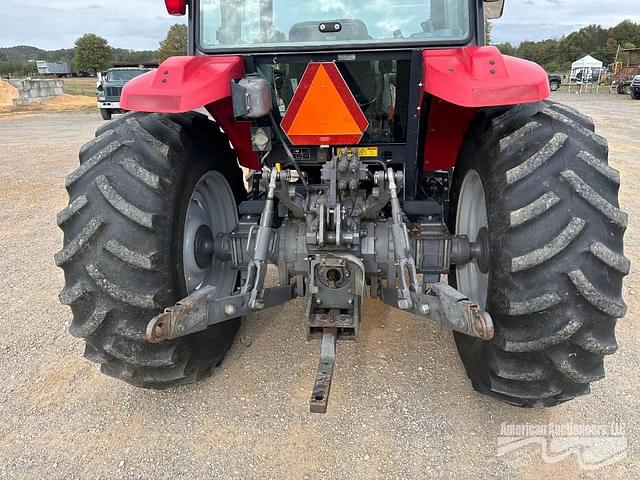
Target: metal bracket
461,314
257,269
201,309
406,265
449,307
322,385
339,305
295,209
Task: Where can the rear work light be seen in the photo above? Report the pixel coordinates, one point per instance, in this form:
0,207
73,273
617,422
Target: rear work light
176,7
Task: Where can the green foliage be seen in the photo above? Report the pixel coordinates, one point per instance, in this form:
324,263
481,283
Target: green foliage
92,53
175,43
556,56
22,53
122,55
626,32
488,27
17,69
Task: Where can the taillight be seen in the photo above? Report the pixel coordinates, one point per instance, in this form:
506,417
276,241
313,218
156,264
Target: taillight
176,7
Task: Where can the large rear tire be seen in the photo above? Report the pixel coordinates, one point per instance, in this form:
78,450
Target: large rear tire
554,280
124,243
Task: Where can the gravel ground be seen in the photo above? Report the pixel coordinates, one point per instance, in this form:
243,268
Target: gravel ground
400,406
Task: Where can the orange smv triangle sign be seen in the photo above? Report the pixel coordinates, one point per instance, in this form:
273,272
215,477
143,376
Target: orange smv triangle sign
323,110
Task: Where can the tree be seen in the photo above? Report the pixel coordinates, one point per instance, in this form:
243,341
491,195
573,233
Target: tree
626,32
507,49
135,56
175,43
556,55
488,27
93,53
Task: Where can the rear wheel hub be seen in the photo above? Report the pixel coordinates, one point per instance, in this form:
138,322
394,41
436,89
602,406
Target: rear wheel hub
211,211
471,220
203,246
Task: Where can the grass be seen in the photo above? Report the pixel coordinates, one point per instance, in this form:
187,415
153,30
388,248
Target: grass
80,86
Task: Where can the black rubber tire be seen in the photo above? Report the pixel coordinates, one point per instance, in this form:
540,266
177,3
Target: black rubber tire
555,86
122,243
556,253
105,113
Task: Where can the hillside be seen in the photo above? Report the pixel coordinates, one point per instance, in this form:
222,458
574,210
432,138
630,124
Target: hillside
25,53
20,60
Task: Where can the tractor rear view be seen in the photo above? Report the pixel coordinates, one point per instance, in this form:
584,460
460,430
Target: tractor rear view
399,159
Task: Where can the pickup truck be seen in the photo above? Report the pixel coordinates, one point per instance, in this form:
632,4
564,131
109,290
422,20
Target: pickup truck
109,88
555,81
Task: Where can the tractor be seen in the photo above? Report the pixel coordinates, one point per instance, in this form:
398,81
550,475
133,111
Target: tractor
349,149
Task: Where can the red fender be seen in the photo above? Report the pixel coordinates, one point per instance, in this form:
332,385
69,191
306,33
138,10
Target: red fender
448,124
482,77
462,80
182,84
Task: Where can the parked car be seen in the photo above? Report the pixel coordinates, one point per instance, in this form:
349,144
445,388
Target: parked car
635,88
555,81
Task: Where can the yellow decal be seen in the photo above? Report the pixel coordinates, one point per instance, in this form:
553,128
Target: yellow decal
366,152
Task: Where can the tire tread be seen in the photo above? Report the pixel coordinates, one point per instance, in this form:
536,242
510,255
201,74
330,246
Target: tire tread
118,263
556,291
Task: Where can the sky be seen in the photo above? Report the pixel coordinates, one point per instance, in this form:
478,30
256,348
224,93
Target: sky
541,19
141,24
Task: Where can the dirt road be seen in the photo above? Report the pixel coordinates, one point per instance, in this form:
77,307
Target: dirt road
400,407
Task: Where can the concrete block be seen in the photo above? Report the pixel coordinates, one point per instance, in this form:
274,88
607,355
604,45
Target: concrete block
30,91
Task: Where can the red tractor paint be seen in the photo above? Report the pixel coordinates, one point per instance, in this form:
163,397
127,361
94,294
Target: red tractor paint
182,84
177,8
462,80
239,133
482,77
447,125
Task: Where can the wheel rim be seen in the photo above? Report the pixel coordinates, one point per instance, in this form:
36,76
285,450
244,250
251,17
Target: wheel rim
471,217
211,210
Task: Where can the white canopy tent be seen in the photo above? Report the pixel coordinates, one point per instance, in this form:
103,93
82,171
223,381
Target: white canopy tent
586,70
